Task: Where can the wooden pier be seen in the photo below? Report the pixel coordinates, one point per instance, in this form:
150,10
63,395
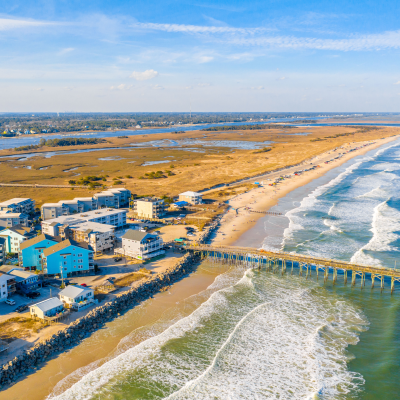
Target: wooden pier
305,265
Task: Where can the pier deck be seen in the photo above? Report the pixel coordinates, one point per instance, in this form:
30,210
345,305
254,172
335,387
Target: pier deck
282,261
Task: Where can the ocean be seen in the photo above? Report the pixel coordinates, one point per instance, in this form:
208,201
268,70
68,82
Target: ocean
258,335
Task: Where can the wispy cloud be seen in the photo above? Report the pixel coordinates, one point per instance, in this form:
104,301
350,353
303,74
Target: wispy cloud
397,83
8,24
258,37
65,51
122,86
145,75
380,41
196,28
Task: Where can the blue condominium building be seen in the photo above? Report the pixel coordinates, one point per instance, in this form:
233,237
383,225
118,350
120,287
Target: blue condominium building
31,251
68,258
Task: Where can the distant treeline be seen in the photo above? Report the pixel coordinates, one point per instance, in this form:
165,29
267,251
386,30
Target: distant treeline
246,127
61,143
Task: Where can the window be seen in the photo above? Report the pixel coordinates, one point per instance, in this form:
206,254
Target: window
65,263
74,266
79,255
65,269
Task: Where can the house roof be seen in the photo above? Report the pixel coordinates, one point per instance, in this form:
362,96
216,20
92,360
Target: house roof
84,198
38,239
16,200
107,282
73,291
88,226
190,194
48,304
21,230
63,245
8,268
22,274
12,215
136,235
60,204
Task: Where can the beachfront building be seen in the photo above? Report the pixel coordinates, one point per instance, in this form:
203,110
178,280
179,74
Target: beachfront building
140,245
18,205
106,216
68,207
149,207
10,219
15,236
25,280
123,194
7,286
191,197
47,308
107,199
87,203
31,251
100,237
77,297
53,210
68,258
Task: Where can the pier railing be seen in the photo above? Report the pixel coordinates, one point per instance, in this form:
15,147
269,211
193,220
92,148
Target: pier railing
281,261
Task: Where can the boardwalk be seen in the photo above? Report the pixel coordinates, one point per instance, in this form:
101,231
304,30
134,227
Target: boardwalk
284,261
36,185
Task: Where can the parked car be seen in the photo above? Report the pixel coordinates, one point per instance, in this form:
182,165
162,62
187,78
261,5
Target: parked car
10,302
83,284
22,308
116,259
33,295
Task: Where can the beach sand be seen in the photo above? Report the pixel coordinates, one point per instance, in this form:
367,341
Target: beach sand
106,343
237,220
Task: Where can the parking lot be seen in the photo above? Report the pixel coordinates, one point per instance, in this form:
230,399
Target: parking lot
7,311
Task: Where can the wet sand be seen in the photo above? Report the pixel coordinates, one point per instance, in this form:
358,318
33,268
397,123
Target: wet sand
109,341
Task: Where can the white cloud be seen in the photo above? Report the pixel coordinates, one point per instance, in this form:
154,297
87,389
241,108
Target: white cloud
7,24
204,59
65,51
397,83
145,75
282,78
196,28
256,37
157,87
122,86
380,41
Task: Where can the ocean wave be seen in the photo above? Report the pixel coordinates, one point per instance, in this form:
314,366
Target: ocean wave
384,227
248,341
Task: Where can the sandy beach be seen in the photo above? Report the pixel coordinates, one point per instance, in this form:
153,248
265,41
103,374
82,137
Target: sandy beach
238,219
235,223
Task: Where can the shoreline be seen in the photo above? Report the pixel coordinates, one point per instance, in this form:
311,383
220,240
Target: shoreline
237,220
233,225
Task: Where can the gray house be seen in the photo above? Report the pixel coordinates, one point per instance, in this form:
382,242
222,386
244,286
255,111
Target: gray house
141,245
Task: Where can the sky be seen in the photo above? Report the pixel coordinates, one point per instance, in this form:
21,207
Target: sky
209,56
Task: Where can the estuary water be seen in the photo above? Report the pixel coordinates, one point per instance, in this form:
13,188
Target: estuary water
257,335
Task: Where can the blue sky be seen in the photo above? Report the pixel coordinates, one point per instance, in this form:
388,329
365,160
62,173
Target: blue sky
69,55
